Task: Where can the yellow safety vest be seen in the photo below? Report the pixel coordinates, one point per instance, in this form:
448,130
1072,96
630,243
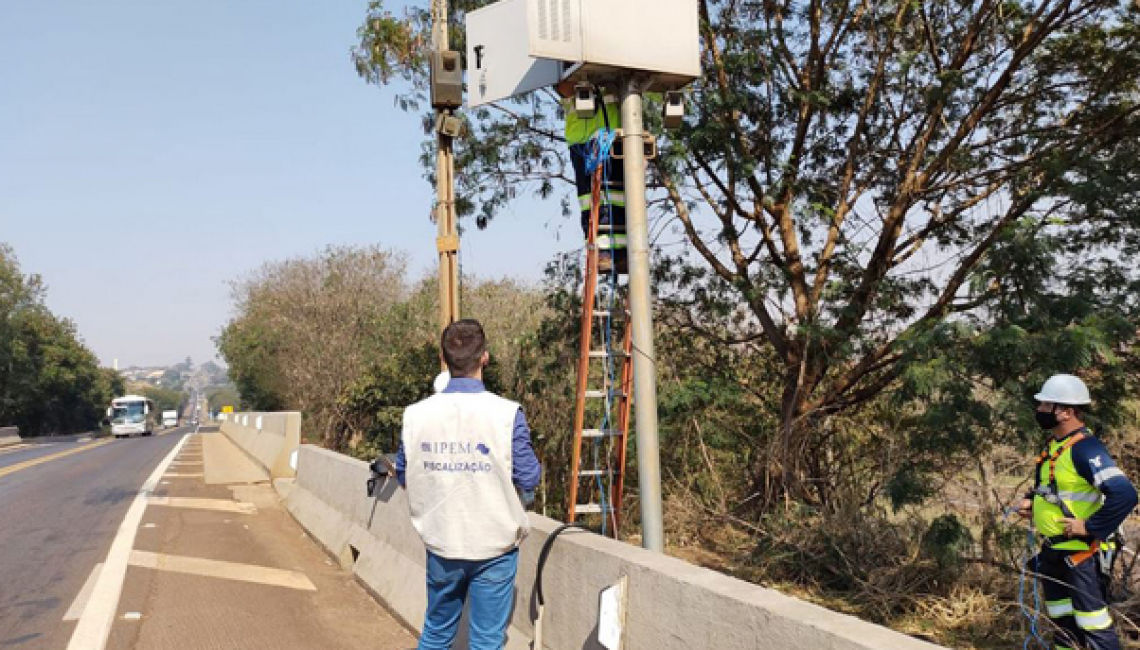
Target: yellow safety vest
1079,496
579,130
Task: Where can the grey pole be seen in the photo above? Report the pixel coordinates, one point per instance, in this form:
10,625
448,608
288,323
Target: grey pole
641,315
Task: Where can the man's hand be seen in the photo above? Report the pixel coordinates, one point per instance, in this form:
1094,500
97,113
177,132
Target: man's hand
1026,509
1074,527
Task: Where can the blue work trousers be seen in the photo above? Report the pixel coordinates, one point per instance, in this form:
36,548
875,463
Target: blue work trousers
489,586
1076,602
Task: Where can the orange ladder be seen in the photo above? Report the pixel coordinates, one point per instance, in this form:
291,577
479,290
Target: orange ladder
597,474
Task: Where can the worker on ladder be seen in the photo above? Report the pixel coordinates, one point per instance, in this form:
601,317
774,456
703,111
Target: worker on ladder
1080,499
581,134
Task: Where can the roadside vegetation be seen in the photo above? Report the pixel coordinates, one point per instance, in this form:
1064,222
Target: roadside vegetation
881,228
50,382
912,534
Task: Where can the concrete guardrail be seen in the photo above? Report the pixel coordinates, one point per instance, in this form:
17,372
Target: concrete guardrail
268,438
671,604
10,436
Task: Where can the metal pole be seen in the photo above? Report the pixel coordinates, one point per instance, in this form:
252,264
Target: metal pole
641,315
447,240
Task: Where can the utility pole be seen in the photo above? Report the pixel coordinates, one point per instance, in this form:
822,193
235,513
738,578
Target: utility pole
641,316
447,239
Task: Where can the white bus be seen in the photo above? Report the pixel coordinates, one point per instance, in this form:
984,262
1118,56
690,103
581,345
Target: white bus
132,414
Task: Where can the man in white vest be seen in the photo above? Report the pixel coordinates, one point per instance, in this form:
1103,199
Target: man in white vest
464,454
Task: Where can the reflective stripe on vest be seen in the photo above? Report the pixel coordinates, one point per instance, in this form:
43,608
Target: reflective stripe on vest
615,198
1078,495
611,241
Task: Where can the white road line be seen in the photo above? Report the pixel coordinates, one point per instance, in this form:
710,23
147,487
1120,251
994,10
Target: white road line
219,505
227,570
22,446
176,475
80,602
95,623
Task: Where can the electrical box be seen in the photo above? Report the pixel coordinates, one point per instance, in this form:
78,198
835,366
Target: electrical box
517,46
446,80
599,38
499,64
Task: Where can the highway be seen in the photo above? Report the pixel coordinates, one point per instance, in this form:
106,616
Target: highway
122,544
59,516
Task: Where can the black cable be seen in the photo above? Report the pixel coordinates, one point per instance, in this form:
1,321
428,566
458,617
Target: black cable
546,551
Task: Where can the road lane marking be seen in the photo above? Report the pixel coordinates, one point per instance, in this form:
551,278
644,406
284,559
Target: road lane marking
95,623
80,602
175,475
217,505
18,447
198,566
12,469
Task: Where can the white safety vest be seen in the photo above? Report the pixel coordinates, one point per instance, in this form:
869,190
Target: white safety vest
458,449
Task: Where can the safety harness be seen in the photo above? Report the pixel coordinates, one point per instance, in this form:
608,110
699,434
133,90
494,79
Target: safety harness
1050,493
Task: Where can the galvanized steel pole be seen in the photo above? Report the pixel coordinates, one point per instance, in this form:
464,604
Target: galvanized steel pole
447,240
641,315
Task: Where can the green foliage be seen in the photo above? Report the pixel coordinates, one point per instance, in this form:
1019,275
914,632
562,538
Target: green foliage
946,540
50,383
863,188
381,394
345,337
908,486
165,399
248,349
220,396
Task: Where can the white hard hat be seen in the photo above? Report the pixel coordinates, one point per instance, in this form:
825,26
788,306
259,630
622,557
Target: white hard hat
1064,389
441,381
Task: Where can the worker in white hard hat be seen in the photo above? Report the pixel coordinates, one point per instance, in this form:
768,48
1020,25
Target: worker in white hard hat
1079,500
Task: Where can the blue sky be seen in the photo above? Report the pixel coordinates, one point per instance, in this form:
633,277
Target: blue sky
152,151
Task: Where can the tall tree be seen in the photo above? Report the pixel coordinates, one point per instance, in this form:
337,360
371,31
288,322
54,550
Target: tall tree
49,381
872,180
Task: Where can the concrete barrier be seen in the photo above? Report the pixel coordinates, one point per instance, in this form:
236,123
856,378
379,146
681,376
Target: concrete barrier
671,604
268,438
10,436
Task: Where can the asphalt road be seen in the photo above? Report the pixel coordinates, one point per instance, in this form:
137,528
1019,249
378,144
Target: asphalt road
16,455
58,516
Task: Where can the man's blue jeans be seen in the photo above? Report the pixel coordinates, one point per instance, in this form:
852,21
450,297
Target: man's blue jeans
489,585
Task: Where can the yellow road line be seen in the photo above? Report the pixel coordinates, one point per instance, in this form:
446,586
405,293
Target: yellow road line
12,469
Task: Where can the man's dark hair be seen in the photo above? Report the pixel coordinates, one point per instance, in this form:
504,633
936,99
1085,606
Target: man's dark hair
463,344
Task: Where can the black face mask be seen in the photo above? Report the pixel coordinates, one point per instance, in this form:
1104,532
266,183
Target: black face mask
1047,419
